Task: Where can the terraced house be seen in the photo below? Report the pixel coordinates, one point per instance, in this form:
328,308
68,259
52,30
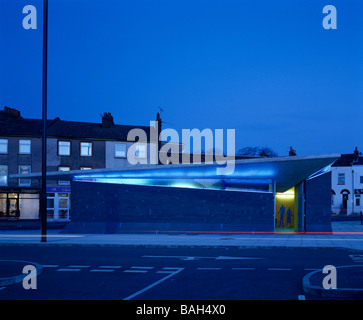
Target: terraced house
70,146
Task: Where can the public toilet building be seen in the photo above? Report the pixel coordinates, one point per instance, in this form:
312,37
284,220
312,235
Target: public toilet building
282,194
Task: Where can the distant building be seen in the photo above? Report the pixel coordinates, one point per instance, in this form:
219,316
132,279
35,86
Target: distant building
347,184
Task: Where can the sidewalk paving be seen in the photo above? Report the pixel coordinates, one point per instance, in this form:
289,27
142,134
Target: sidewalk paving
348,234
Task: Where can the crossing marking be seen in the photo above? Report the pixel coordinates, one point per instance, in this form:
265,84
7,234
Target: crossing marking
171,273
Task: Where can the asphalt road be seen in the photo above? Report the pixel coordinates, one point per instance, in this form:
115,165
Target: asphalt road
109,273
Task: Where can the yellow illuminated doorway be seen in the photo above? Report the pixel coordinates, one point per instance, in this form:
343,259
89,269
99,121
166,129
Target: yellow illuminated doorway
285,211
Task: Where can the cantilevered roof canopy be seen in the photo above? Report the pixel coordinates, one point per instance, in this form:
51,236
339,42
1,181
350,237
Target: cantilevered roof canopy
286,172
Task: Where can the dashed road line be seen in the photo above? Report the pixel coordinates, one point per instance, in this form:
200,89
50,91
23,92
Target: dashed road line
243,268
209,268
279,269
146,268
50,265
110,267
78,267
136,271
102,270
68,269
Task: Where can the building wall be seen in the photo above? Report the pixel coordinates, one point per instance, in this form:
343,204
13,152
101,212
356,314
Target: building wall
13,159
318,204
352,183
358,188
111,160
112,208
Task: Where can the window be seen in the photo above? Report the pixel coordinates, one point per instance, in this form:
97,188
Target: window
64,148
86,149
361,179
64,183
357,200
120,150
24,170
140,151
3,146
3,175
24,146
341,178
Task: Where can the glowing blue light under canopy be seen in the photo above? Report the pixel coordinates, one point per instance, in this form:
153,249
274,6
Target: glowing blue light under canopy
258,173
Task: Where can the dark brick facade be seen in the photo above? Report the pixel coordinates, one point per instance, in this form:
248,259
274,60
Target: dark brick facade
318,204
113,208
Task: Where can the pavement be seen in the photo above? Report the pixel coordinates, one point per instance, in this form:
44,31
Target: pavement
345,234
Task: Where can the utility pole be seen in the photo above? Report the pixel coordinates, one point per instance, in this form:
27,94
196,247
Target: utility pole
43,196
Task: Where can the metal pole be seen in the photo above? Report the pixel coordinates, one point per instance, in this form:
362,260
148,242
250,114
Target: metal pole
43,196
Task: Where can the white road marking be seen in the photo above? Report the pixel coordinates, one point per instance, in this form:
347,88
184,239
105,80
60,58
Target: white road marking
146,268
172,273
50,265
102,270
208,268
135,271
78,267
110,267
68,269
197,258
243,268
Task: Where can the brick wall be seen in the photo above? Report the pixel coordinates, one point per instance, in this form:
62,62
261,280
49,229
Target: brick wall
112,208
318,204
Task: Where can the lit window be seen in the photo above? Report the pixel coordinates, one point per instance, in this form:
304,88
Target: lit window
3,146
86,149
64,148
24,170
3,175
341,178
24,146
140,151
64,183
120,150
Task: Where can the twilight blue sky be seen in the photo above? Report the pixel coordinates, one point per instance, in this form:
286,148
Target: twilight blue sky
265,68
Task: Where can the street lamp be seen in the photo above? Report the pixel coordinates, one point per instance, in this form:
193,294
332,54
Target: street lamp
43,195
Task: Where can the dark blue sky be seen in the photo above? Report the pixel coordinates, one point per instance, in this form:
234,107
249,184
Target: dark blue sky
265,68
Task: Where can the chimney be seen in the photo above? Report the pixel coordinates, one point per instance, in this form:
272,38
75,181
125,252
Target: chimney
292,152
9,113
356,154
107,120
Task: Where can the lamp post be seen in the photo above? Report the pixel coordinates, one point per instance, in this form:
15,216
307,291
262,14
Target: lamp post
43,195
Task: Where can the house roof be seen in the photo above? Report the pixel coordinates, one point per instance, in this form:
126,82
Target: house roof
347,160
67,129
